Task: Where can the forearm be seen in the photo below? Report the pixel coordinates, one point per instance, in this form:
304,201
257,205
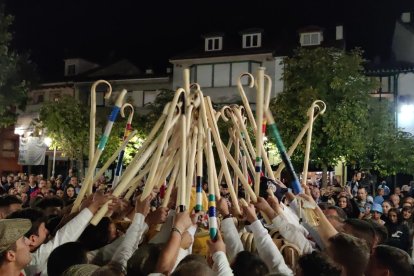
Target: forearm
168,256
231,238
221,264
325,228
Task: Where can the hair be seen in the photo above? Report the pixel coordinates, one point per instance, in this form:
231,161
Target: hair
58,260
246,263
316,263
110,269
350,252
360,229
50,202
399,215
341,213
396,260
192,263
7,200
94,237
381,232
144,260
35,216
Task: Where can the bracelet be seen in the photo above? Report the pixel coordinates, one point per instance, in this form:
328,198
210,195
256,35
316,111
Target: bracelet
175,229
227,216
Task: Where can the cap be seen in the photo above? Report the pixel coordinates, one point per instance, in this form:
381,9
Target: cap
80,270
376,207
405,188
11,230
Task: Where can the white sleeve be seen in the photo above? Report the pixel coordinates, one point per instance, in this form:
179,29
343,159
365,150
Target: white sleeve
292,234
131,240
70,232
231,238
268,251
221,264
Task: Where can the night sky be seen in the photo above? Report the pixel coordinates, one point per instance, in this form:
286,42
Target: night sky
150,32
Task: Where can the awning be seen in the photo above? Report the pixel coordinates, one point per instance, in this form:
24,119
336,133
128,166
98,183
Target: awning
24,124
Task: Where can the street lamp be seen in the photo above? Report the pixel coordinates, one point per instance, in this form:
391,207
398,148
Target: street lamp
406,117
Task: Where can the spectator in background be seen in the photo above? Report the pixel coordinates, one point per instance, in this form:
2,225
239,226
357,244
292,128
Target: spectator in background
398,233
395,200
384,186
379,198
376,213
70,194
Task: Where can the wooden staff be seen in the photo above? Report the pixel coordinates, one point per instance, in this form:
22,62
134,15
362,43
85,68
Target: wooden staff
259,134
221,172
87,185
92,116
199,180
171,184
128,129
245,172
113,156
134,183
274,132
320,110
125,180
237,159
311,114
243,96
183,159
217,140
186,81
191,161
163,137
212,215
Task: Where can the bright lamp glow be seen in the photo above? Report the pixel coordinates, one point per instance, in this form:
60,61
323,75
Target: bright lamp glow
406,117
47,141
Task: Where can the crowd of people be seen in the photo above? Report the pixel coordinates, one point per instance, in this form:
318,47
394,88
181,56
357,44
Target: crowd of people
356,229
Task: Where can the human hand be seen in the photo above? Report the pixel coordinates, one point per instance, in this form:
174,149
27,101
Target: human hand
143,207
158,216
274,204
182,221
263,205
195,217
217,245
98,200
223,206
250,213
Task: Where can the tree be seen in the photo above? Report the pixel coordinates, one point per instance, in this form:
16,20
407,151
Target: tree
14,69
335,77
388,150
67,122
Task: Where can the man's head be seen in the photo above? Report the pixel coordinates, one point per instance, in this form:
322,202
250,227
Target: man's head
316,263
58,260
14,246
360,229
362,194
351,253
389,260
397,190
42,184
8,205
395,199
335,215
73,181
192,263
38,233
380,191
144,259
51,206
246,263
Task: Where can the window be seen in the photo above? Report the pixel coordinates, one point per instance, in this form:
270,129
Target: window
309,39
221,75
8,149
205,75
238,68
252,40
71,70
214,43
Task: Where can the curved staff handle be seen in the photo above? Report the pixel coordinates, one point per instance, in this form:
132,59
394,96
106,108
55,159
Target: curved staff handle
128,129
311,114
320,109
92,116
244,98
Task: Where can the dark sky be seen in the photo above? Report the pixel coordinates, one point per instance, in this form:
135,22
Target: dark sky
149,32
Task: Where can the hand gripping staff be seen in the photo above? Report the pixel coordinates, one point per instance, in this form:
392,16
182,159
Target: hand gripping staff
127,131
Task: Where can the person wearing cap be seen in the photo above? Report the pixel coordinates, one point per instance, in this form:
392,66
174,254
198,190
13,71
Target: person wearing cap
376,213
384,186
379,198
14,246
68,233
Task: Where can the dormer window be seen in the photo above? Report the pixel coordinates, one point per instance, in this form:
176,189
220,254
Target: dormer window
252,40
214,43
71,69
310,39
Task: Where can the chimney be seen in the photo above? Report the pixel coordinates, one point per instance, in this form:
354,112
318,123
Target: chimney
339,32
149,71
406,17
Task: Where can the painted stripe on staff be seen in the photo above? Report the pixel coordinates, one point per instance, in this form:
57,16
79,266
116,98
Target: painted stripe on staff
198,207
211,197
212,221
114,114
276,135
213,233
102,142
212,211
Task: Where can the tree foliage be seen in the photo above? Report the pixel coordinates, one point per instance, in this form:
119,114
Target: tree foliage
67,123
335,77
14,71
